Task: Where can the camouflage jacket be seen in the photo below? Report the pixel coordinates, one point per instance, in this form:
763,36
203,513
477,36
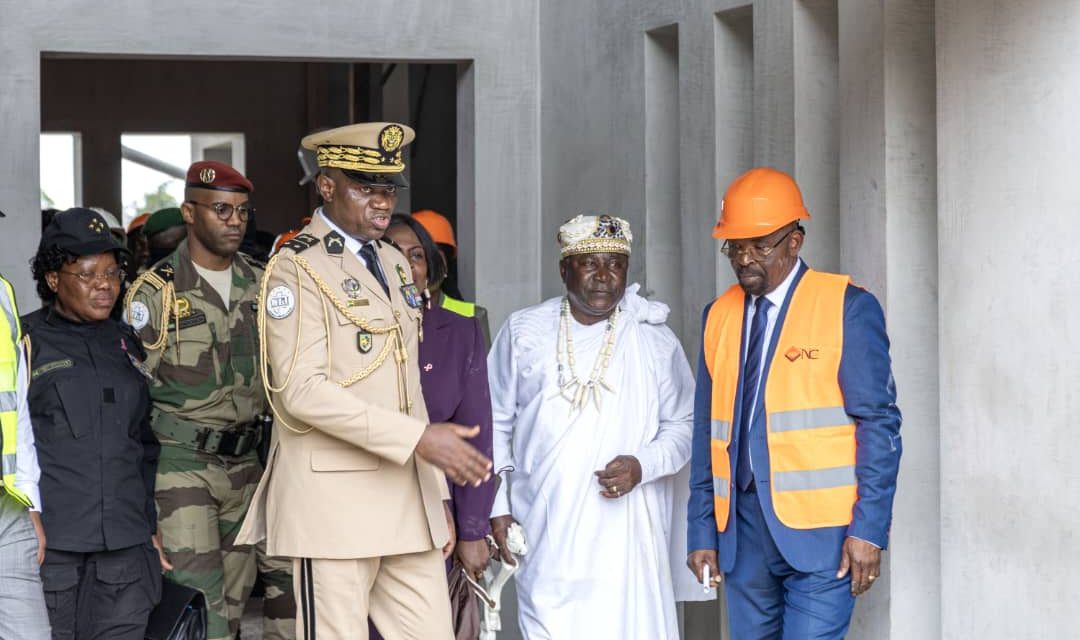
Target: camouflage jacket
206,365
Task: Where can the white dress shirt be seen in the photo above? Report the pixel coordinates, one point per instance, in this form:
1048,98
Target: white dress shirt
777,297
27,471
352,245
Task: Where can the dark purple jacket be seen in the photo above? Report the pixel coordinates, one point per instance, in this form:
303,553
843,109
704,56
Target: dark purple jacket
453,377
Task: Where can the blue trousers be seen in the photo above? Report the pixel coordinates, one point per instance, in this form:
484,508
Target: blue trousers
769,600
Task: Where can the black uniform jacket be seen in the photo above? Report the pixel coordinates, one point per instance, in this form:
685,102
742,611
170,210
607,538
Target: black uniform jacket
90,406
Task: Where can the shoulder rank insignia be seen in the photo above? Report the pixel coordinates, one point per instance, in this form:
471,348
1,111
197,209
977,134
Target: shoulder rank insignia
300,243
165,271
157,277
334,243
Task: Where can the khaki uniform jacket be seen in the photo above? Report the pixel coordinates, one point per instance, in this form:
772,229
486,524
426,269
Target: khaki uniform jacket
342,480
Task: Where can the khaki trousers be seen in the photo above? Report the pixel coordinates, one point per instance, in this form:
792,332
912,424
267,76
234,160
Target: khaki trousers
405,595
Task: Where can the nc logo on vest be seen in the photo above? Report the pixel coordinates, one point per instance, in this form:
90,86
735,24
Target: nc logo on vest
794,353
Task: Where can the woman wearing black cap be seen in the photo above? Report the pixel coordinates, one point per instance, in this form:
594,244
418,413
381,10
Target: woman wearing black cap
90,407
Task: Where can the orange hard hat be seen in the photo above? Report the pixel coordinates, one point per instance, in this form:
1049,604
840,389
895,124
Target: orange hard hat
437,226
138,221
759,202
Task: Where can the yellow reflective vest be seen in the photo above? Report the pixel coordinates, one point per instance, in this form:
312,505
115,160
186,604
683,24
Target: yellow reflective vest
10,334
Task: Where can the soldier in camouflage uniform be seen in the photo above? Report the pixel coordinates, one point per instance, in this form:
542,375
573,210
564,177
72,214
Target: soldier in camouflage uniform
195,313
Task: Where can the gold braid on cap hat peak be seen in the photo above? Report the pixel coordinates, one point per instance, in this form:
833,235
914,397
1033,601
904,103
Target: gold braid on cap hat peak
595,234
354,158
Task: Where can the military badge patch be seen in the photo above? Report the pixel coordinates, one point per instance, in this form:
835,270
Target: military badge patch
188,320
138,315
192,319
334,243
412,296
390,138
280,302
351,286
364,341
183,307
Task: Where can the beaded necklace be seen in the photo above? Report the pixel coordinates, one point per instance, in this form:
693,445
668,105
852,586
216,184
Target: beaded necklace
573,389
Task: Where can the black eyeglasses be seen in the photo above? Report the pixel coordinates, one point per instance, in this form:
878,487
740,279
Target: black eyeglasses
734,251
224,210
112,276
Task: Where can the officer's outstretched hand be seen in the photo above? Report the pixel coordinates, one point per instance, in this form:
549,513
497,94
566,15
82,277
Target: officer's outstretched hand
443,445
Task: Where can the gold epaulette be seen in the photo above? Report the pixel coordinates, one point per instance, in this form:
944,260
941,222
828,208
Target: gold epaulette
160,278
156,277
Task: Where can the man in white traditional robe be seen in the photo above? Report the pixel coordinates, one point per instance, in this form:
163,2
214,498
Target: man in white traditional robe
592,398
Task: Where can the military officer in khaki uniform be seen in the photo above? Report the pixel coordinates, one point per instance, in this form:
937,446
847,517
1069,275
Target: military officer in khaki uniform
355,484
195,313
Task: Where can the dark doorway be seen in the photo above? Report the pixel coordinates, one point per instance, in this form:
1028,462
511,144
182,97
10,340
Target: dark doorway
267,105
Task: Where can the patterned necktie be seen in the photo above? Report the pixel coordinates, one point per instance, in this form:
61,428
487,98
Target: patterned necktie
371,261
744,476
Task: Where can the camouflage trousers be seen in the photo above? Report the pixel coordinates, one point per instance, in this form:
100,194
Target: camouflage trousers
201,502
279,604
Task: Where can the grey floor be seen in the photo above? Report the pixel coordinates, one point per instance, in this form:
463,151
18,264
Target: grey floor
251,625
698,619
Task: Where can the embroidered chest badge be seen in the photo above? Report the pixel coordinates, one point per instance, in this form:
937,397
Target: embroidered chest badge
364,341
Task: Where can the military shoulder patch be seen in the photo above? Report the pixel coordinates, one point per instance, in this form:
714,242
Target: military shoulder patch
302,242
138,315
280,302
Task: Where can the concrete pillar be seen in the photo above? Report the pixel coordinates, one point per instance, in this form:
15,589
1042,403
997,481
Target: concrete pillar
20,87
888,241
816,114
1008,80
774,85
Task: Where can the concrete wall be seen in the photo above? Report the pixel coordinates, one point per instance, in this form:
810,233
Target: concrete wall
1009,148
497,41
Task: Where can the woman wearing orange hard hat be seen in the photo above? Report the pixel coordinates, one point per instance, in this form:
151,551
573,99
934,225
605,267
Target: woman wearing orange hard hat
445,292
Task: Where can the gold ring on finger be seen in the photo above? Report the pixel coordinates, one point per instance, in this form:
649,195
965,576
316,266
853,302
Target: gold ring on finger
871,578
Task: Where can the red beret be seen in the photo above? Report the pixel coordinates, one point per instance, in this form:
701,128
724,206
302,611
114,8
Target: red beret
210,174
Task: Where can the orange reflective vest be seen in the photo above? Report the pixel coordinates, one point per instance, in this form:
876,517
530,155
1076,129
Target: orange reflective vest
811,439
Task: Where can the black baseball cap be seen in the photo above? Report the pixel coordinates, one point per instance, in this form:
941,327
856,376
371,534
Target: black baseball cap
80,231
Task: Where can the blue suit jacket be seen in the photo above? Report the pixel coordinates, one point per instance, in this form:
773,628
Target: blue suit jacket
869,397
